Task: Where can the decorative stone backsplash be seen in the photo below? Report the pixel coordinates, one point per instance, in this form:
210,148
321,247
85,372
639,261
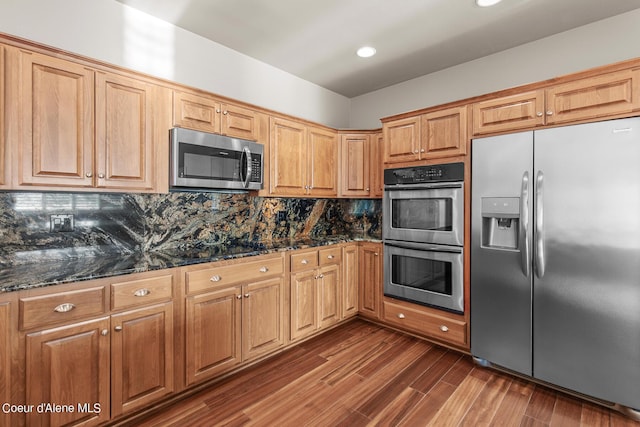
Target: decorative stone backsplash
106,223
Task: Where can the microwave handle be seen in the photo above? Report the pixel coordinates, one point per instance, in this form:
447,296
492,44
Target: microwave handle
246,156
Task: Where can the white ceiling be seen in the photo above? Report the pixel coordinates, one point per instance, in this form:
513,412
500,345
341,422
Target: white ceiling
316,40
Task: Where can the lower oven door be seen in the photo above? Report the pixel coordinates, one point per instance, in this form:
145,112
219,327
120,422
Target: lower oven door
426,274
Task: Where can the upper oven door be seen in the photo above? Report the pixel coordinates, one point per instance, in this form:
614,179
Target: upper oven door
425,213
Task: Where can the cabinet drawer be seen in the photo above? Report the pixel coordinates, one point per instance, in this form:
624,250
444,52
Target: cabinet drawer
304,261
442,328
232,274
330,256
61,307
140,292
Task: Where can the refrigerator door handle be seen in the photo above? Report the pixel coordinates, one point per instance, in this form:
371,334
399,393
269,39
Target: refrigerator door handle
540,249
523,240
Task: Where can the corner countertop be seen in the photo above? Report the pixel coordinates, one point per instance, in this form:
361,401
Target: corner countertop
65,269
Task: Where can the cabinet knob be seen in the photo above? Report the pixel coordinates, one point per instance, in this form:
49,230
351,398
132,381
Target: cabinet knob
375,253
238,296
89,174
247,295
141,292
422,150
101,175
549,113
264,269
416,152
64,308
330,256
217,110
304,262
539,114
401,316
443,328
118,328
104,332
225,112
321,276
215,278
367,189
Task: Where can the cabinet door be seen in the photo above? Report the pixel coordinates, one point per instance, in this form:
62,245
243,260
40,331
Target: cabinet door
304,314
196,112
56,118
4,171
329,284
402,140
444,133
323,162
519,111
288,151
69,366
376,170
5,359
595,97
239,122
213,333
350,281
141,357
370,279
356,161
124,133
262,317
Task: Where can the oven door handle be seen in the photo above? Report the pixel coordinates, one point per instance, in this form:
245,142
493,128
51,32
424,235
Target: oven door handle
424,247
422,186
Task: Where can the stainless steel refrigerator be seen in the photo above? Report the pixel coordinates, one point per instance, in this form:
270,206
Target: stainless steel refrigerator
555,260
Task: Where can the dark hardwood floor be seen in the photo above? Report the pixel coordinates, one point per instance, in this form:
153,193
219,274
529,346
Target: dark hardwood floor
361,374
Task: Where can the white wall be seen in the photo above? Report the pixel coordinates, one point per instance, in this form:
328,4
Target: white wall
109,31
603,42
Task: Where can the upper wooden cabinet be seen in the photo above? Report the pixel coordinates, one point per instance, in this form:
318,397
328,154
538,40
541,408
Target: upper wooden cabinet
57,145
592,98
441,133
303,160
4,158
361,165
210,115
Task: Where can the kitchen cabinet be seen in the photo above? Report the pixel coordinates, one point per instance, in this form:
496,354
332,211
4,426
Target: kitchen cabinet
587,99
370,279
245,302
349,280
4,157
361,165
315,290
80,353
200,112
60,105
69,365
303,160
432,135
426,322
6,346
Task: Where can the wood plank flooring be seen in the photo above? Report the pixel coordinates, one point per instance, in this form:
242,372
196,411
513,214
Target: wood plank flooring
361,374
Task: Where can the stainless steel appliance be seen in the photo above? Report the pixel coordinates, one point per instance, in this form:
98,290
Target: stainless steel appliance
555,261
201,160
423,233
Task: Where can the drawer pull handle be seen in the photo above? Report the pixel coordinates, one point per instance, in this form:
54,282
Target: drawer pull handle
401,316
443,328
264,269
304,262
330,256
216,278
64,308
142,292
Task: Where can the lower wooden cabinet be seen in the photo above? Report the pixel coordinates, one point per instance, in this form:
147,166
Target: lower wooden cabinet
6,335
350,281
141,357
370,279
69,366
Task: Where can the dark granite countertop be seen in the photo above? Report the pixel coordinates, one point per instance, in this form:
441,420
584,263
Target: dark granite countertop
59,267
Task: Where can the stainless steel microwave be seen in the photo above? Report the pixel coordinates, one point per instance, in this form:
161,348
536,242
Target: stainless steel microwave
206,161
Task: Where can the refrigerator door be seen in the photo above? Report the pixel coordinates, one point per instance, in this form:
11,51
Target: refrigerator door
500,250
586,306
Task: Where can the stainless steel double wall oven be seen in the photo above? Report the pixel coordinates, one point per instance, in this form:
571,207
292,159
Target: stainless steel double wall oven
423,234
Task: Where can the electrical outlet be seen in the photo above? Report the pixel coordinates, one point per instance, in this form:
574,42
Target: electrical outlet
61,223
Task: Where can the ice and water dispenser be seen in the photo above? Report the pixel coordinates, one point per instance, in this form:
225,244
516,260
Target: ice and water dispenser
500,222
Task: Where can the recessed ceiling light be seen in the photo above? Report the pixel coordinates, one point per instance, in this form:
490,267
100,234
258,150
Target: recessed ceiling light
366,51
487,3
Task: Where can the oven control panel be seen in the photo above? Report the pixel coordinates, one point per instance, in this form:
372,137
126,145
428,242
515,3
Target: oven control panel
448,172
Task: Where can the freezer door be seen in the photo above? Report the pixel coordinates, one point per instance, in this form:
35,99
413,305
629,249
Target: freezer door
500,252
586,307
